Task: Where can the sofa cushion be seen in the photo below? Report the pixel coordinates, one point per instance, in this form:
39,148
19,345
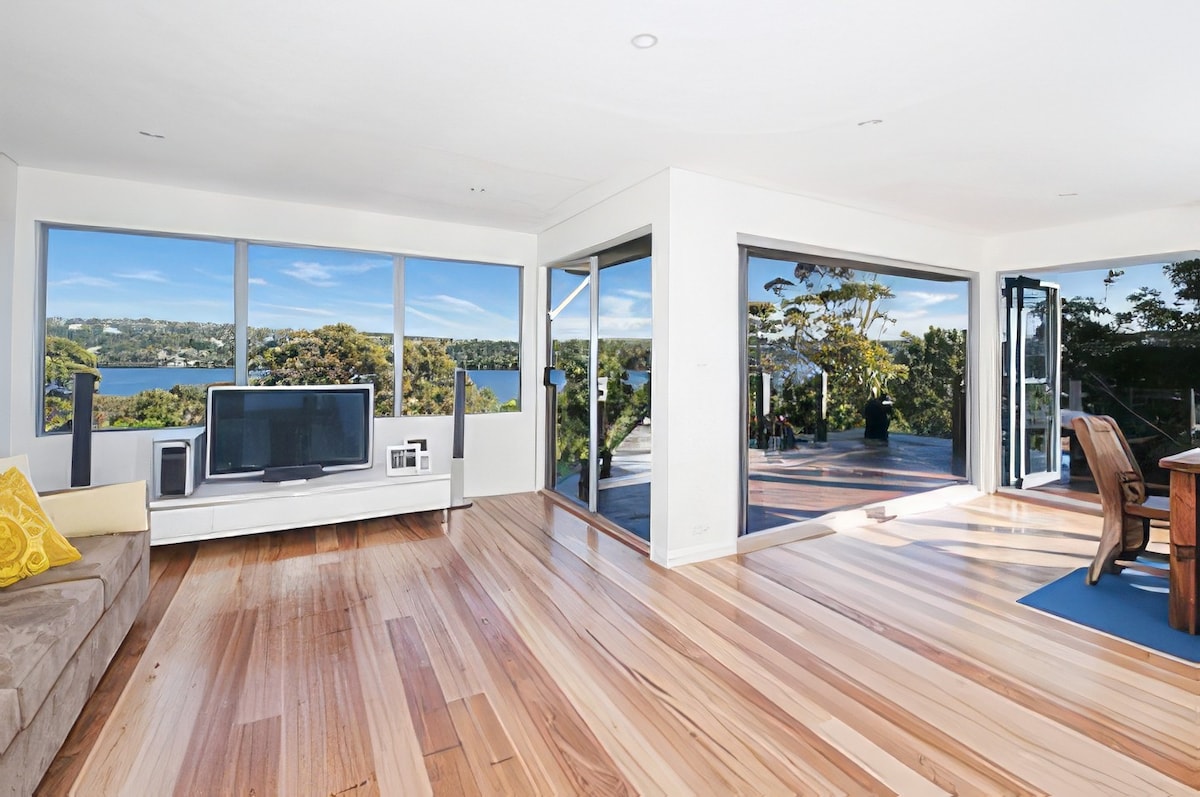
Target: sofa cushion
107,509
29,543
110,558
41,628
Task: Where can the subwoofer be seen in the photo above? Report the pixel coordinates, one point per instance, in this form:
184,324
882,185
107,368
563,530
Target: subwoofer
178,466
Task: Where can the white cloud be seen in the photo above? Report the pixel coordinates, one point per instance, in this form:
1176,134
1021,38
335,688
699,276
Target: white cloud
148,275
312,273
636,294
257,281
86,281
324,276
454,304
282,308
926,298
616,306
437,320
624,326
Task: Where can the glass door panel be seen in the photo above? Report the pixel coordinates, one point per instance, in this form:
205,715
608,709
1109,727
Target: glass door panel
570,400
623,399
1031,418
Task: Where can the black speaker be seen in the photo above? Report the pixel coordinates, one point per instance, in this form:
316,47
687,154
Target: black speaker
457,465
82,389
460,410
173,469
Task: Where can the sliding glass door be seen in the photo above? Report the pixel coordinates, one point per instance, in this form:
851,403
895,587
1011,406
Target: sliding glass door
598,384
572,435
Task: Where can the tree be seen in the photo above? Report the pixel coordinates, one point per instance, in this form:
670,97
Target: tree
428,381
936,363
624,408
336,354
835,321
64,359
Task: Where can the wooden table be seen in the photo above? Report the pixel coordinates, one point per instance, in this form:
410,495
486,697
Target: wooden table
1185,570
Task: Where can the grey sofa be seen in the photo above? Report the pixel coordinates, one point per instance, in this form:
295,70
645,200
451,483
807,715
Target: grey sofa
60,629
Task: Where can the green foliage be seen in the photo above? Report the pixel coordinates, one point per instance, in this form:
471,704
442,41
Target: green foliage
428,381
1139,364
63,359
936,364
624,409
333,354
146,342
828,322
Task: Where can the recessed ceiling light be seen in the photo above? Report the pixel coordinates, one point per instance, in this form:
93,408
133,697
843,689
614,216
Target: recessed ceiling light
644,41
151,134
869,122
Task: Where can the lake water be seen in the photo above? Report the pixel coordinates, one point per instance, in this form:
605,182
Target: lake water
128,381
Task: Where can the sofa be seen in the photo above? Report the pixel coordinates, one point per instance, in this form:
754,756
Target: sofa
60,629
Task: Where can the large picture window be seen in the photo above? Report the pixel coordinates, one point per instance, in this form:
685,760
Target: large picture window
855,384
154,317
461,315
321,317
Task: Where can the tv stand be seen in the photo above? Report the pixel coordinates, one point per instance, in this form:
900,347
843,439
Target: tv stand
288,473
233,507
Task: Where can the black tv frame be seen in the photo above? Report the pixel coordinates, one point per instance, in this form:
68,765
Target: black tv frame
291,470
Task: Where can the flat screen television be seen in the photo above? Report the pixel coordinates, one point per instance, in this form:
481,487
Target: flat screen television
285,432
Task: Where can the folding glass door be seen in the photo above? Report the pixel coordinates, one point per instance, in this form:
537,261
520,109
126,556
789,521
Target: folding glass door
1030,418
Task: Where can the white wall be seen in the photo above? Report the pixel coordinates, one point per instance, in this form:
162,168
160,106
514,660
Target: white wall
708,218
697,223
500,453
8,235
637,209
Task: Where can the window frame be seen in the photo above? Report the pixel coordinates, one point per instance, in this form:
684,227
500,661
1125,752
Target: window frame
239,301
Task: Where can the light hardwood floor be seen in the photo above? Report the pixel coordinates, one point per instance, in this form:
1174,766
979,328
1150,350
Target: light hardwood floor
519,652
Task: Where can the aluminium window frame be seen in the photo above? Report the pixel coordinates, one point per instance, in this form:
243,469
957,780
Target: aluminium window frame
240,306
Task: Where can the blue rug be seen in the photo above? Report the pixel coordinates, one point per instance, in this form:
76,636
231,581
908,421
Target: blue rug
1129,605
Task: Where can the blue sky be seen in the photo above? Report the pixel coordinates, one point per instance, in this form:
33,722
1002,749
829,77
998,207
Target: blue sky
108,275
916,306
116,275
1077,284
624,302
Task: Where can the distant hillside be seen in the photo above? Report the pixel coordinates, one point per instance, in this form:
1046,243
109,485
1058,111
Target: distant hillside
147,342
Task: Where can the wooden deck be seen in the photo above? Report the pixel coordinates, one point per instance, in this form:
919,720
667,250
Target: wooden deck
520,652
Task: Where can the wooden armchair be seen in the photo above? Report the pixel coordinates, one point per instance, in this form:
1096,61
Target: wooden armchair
1127,509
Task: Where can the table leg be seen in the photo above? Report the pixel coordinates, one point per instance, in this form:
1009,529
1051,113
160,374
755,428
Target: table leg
1185,569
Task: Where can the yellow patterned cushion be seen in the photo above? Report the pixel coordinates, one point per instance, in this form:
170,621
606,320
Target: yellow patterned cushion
29,543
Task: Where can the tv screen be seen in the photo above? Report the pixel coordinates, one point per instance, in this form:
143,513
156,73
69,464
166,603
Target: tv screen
288,431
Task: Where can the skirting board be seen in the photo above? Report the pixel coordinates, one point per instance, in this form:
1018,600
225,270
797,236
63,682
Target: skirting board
699,553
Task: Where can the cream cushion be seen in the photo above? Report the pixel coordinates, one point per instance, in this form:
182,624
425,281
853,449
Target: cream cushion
87,511
20,462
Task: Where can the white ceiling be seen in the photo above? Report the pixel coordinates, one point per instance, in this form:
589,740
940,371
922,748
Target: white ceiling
518,114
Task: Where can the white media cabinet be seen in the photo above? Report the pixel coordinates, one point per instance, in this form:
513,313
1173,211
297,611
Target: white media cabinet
228,508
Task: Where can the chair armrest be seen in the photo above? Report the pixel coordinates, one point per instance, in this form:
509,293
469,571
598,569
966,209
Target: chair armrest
88,511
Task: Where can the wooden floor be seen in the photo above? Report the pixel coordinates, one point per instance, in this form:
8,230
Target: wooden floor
518,652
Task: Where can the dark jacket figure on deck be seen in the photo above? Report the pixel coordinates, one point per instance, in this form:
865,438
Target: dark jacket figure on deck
878,414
